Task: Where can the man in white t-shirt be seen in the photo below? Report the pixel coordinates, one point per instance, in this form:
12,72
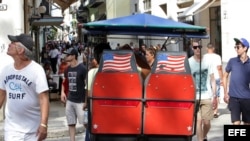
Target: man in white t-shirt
24,86
214,60
54,54
203,75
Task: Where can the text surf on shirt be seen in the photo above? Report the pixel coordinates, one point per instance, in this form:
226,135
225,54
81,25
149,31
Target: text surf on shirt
15,85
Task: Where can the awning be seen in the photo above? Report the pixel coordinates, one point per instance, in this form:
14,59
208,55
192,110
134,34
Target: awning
145,25
64,4
51,21
197,7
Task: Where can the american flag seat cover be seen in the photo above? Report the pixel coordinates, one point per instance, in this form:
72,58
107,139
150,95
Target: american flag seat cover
118,61
171,62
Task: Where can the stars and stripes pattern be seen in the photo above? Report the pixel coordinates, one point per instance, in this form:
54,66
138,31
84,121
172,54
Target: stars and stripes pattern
116,62
170,63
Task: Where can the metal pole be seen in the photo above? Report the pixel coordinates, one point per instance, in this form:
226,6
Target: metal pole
37,46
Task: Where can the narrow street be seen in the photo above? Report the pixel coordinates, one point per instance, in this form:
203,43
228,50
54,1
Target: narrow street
215,134
79,137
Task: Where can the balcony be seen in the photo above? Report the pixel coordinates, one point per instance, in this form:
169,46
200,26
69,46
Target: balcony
95,3
184,3
64,4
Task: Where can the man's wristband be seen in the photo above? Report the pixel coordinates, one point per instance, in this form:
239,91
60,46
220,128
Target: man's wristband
43,125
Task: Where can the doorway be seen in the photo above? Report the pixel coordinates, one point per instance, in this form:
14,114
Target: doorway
215,28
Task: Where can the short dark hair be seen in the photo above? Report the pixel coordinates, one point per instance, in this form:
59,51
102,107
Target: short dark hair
210,45
98,49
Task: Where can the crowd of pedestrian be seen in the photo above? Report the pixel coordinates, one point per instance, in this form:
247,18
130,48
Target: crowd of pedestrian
236,89
30,92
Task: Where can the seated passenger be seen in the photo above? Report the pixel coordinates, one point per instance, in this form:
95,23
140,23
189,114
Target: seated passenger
142,65
150,56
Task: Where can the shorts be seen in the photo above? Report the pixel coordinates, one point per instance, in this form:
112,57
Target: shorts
205,110
74,111
217,87
240,109
19,136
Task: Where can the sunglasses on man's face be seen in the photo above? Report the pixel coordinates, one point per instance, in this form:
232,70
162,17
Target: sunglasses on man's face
195,47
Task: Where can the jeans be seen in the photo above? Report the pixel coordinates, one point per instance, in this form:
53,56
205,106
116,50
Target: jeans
87,135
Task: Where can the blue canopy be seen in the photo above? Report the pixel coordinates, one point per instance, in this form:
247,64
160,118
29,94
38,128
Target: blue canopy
145,24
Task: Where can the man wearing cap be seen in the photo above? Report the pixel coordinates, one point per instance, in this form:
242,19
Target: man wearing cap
75,100
25,87
237,93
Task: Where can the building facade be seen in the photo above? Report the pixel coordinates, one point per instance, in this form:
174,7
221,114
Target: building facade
30,17
12,23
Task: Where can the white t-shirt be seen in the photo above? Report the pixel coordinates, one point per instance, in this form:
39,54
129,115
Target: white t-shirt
214,60
206,71
54,53
22,100
91,76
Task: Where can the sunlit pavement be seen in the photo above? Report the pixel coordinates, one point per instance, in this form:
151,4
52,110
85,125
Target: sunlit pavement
215,134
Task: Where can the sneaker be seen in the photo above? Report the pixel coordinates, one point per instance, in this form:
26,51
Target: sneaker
204,139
